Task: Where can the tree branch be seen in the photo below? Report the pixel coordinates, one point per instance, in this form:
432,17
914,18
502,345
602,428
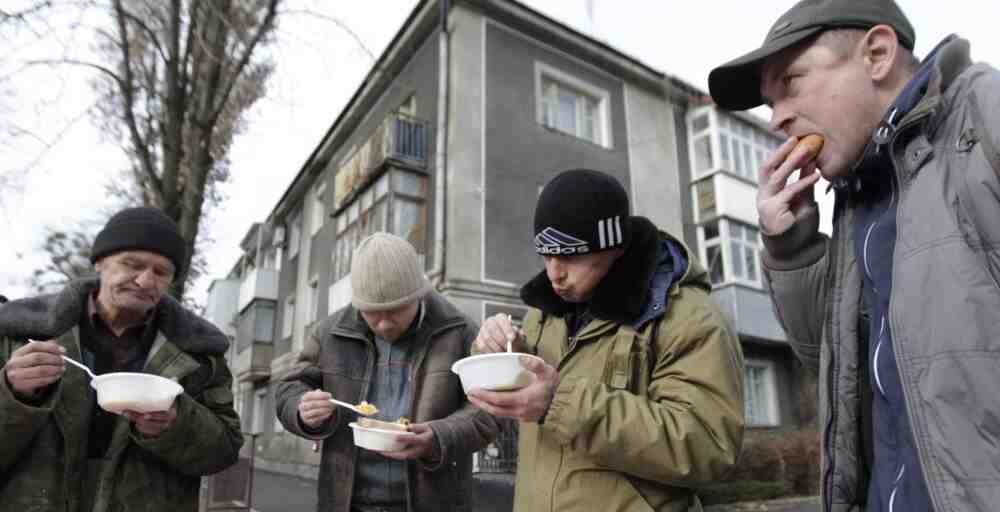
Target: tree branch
128,95
340,24
264,27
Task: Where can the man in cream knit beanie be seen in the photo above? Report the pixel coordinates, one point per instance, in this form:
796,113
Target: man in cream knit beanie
393,347
386,274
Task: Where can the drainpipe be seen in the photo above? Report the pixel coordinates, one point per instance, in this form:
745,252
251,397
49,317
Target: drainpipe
441,155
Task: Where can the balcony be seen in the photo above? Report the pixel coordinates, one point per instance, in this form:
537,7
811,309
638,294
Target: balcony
400,139
254,347
258,283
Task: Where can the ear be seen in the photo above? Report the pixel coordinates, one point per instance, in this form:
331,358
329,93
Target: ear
879,48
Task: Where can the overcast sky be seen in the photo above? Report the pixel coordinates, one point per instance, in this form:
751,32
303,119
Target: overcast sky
319,68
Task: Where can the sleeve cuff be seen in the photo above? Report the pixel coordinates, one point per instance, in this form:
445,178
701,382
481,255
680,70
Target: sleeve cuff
799,247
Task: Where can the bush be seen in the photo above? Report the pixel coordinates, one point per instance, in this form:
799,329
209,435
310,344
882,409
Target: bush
742,490
800,450
760,460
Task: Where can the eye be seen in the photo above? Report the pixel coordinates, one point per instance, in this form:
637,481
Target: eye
789,82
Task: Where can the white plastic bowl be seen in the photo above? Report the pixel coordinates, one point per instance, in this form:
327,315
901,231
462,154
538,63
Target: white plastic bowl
377,439
499,371
139,392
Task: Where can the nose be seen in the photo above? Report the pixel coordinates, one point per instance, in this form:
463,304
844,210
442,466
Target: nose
555,269
146,278
781,117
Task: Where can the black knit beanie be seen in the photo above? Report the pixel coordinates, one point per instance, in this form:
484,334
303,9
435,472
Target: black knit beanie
141,229
581,211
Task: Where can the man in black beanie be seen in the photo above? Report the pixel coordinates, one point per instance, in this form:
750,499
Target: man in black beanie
640,395
58,445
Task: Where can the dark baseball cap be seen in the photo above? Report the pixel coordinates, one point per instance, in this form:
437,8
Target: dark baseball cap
735,85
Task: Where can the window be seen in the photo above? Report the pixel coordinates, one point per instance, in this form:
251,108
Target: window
571,106
295,235
313,306
720,141
318,208
732,250
743,147
395,203
260,411
761,404
288,318
743,244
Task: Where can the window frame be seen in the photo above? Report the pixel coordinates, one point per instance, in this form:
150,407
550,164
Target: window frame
288,317
724,240
294,234
582,89
381,192
318,208
772,415
742,138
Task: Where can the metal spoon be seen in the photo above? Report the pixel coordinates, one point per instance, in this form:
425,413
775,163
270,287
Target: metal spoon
352,407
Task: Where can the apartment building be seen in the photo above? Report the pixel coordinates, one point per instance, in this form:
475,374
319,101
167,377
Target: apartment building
473,106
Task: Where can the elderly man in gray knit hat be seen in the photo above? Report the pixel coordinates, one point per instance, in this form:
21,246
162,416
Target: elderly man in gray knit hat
58,449
392,347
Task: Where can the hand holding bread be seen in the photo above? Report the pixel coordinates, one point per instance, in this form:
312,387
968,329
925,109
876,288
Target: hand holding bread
781,204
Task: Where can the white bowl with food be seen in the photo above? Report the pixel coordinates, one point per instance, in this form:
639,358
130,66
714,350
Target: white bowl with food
499,371
140,392
382,436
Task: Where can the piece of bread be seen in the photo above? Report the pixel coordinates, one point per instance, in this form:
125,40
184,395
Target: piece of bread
402,425
813,144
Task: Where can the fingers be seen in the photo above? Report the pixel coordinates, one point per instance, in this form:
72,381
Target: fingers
494,333
536,365
806,182
315,407
316,395
151,424
773,162
34,366
775,173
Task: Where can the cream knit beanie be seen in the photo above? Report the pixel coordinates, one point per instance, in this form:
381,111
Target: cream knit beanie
386,274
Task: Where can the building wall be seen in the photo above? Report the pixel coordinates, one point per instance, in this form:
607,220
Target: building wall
417,78
522,155
654,159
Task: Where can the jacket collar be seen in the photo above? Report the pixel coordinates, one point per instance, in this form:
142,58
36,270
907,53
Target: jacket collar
435,312
50,316
623,295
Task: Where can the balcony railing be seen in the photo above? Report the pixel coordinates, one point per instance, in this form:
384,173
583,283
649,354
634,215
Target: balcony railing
259,283
399,138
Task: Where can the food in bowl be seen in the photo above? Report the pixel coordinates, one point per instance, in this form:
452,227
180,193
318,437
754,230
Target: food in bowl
367,408
381,436
402,424
500,371
118,392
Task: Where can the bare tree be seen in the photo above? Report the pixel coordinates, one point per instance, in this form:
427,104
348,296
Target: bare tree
173,80
69,258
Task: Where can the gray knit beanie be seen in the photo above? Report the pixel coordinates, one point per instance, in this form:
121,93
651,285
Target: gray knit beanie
386,274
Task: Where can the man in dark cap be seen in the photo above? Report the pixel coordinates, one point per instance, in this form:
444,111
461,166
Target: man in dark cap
60,450
899,310
640,395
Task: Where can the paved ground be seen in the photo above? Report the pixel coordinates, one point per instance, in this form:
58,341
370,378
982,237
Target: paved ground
274,492
809,504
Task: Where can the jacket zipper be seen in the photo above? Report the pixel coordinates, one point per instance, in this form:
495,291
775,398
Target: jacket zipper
831,426
905,379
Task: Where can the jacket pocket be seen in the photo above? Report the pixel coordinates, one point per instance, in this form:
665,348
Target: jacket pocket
627,364
977,208
960,426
